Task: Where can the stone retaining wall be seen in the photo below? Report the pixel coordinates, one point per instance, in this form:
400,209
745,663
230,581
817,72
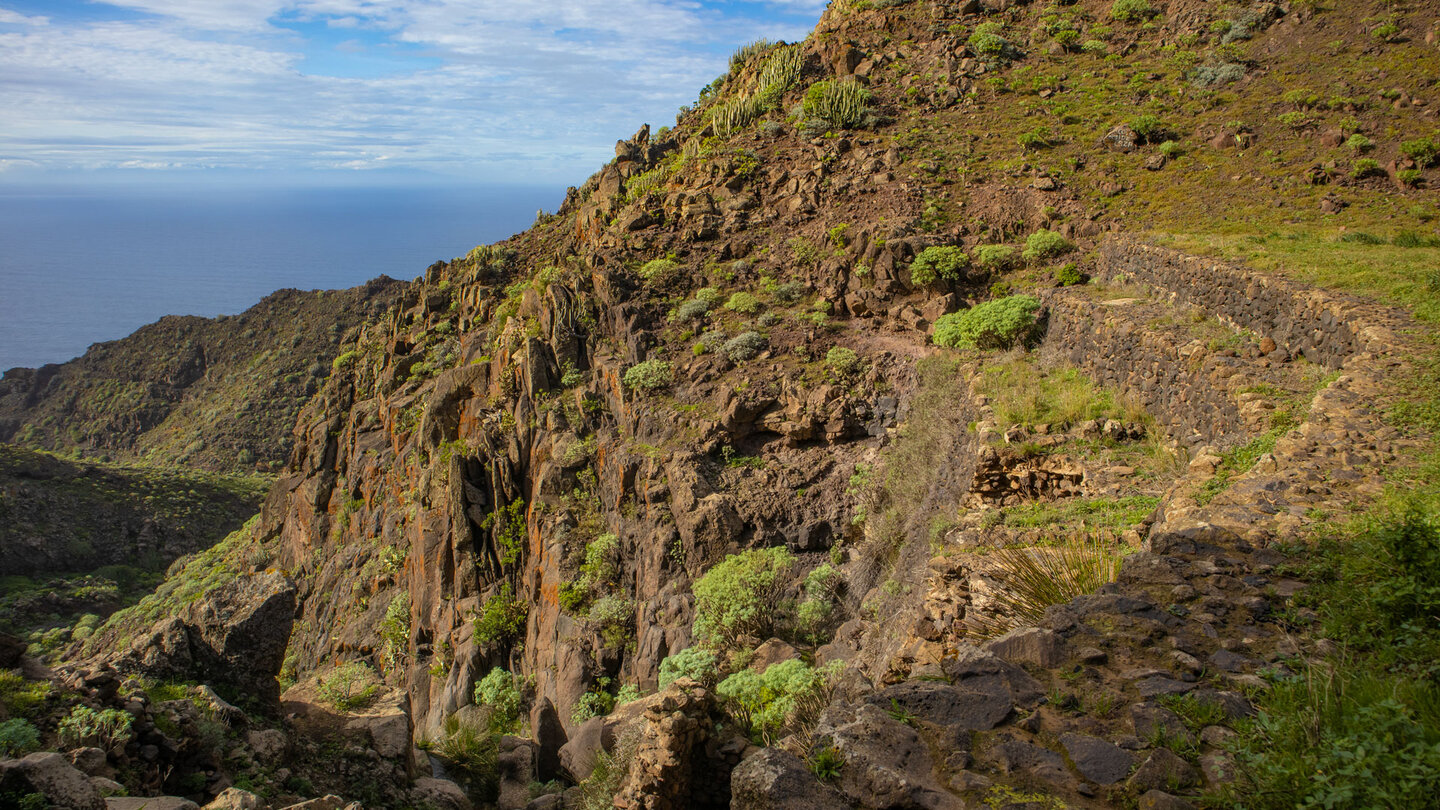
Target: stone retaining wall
1326,327
1110,342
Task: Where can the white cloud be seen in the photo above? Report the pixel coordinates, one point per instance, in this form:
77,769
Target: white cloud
530,90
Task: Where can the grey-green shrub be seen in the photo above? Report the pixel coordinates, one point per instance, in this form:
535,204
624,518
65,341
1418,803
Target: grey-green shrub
997,324
948,263
744,346
696,663
651,375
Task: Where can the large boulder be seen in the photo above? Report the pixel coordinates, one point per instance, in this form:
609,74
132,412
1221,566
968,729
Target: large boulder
51,775
236,635
772,779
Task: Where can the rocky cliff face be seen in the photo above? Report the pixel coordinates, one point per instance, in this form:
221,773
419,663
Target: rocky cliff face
725,342
214,394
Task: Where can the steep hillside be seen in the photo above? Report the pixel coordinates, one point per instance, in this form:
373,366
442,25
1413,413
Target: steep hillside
214,394
852,443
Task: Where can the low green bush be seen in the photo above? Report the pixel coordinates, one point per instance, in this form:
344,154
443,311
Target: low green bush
692,310
1365,167
842,361
349,686
18,737
987,41
993,258
102,728
1131,11
1424,151
1359,143
501,618
770,703
1069,275
1044,245
996,324
948,263
613,617
658,269
743,303
498,690
650,375
740,596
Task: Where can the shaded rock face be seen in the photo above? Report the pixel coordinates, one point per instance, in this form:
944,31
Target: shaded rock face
52,776
112,515
236,637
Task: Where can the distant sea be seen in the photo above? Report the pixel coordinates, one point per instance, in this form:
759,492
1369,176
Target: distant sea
80,268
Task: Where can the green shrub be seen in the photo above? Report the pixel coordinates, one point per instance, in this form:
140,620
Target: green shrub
996,324
592,704
1131,11
600,567
986,41
743,303
19,696
1359,143
658,269
744,346
692,310
948,263
1034,140
842,361
345,360
1365,167
1149,128
709,295
841,103
993,258
1409,177
613,617
1044,245
740,596
696,663
1069,275
769,703
18,737
395,631
1424,151
827,763
498,691
651,375
501,618
349,686
509,525
1170,149
104,728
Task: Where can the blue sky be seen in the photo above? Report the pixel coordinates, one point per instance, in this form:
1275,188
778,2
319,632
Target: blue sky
337,91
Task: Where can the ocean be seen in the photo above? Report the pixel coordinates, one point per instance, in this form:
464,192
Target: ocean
78,268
